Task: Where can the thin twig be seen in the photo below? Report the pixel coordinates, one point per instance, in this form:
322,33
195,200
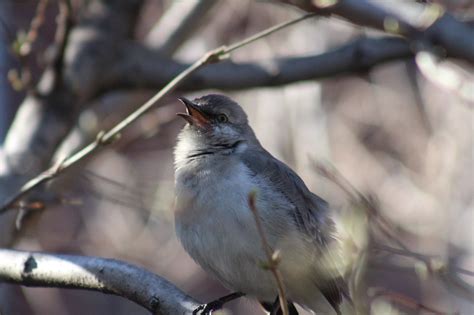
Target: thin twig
22,80
426,259
385,227
267,32
107,137
407,302
273,257
104,138
367,203
63,29
64,25
32,35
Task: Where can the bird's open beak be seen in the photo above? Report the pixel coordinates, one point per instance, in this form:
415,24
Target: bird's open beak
193,115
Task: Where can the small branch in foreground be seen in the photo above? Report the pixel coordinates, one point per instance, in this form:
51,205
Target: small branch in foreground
407,302
273,257
107,137
98,274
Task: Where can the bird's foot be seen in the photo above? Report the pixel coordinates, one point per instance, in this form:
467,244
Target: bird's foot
207,309
275,309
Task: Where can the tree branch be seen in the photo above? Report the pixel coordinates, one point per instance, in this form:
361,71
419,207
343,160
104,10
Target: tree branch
439,29
179,22
406,301
98,274
67,81
143,68
106,137
273,256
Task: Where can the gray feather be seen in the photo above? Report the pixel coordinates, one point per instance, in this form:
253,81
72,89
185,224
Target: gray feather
310,212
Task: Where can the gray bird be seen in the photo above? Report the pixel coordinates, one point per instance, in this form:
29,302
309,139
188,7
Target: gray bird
218,163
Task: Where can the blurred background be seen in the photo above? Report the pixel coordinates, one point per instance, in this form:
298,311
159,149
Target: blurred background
393,134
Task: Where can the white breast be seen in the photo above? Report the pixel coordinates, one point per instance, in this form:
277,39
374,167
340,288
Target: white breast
217,228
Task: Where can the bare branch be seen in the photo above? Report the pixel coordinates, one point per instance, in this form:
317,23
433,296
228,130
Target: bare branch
22,47
407,302
50,112
273,258
143,68
179,22
440,29
106,137
98,274
448,272
63,30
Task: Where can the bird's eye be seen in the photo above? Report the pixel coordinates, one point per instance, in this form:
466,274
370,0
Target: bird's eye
222,118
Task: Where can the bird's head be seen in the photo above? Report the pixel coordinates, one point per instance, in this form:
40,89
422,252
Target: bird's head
215,121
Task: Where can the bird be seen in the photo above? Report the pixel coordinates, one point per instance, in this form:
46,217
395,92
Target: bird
218,162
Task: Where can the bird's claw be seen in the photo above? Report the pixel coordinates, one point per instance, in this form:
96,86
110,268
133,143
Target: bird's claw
209,308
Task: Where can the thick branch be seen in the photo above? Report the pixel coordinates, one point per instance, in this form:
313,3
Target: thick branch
179,22
44,117
50,112
141,67
440,29
98,274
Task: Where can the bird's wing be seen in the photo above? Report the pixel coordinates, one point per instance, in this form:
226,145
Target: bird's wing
310,213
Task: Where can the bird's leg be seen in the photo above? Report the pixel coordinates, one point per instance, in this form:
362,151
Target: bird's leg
207,309
292,309
275,308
